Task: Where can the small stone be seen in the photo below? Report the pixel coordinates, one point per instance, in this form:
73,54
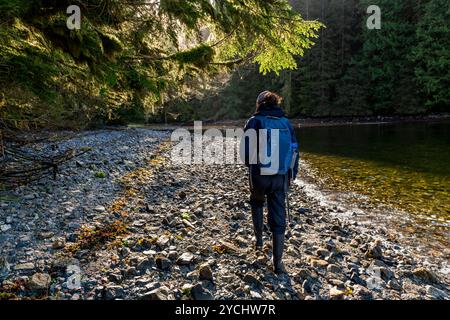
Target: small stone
228,247
115,277
163,242
361,292
45,235
60,263
200,293
255,295
5,227
435,293
145,264
332,268
59,243
357,279
425,275
317,263
380,269
323,253
252,280
193,275
131,272
114,292
163,263
336,294
307,286
156,294
375,251
100,209
205,273
304,273
24,267
394,285
29,196
40,282
185,259
5,268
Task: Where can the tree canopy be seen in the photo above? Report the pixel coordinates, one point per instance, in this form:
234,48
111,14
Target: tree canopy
131,58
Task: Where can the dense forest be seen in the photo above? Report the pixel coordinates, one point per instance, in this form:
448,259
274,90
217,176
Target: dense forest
129,61
174,60
400,69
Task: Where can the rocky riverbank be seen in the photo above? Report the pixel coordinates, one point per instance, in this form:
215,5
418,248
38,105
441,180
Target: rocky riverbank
124,222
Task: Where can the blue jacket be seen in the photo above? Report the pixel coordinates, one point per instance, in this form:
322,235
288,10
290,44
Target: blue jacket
254,123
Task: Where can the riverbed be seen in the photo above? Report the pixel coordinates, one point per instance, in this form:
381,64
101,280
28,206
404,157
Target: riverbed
403,166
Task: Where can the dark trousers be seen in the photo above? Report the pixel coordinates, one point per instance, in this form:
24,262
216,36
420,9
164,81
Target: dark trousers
274,188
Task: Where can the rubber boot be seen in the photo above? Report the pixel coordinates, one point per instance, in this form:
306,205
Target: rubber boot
258,225
278,246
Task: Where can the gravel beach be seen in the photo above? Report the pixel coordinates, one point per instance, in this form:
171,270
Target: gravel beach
124,222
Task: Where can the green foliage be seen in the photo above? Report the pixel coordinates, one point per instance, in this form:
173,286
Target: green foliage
100,175
199,56
353,71
432,54
131,60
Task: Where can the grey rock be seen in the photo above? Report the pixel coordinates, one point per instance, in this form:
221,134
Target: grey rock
425,275
252,280
332,268
163,241
163,263
114,292
435,293
336,294
185,259
40,282
255,295
145,264
205,272
25,267
198,292
5,268
393,284
375,251
59,243
5,227
100,209
155,294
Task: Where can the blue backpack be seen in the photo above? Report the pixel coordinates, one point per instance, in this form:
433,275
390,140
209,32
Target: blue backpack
281,141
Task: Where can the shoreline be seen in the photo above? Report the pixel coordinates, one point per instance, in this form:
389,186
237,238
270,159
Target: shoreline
305,122
165,231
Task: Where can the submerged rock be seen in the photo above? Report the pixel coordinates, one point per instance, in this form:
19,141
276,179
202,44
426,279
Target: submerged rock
40,282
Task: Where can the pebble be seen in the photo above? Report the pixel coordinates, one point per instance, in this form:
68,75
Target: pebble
436,293
5,227
163,263
336,294
425,275
40,282
205,273
185,259
198,292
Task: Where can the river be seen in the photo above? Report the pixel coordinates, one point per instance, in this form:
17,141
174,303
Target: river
404,166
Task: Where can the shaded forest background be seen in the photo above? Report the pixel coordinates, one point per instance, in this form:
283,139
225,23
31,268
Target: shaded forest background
402,69
170,60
